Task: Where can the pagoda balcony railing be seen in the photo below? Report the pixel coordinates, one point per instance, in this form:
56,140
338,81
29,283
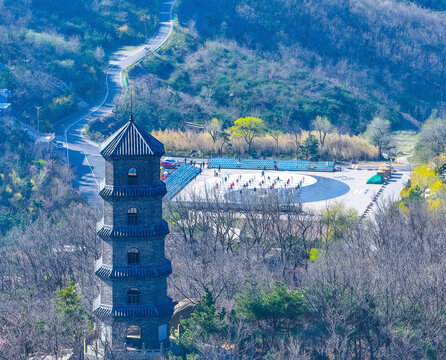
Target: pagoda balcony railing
151,271
146,311
97,303
157,189
99,264
158,229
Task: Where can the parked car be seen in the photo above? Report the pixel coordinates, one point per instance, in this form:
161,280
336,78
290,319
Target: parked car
58,144
170,164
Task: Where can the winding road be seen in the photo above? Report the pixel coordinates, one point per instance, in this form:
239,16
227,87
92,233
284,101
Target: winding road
83,154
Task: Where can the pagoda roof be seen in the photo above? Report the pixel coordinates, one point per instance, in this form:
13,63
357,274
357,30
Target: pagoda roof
131,140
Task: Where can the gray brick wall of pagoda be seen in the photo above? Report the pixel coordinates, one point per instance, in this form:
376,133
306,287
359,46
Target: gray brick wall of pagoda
133,304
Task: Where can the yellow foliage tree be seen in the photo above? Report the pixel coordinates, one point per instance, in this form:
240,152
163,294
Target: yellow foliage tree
247,128
424,176
426,183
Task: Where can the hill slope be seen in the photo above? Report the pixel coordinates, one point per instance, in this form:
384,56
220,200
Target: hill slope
55,50
288,61
394,49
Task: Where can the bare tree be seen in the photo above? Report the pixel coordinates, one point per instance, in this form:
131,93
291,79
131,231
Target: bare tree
295,135
214,127
378,132
323,126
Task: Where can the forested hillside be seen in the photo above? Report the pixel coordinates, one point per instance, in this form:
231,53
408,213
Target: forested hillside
262,277
221,78
289,61
32,180
56,51
47,240
393,50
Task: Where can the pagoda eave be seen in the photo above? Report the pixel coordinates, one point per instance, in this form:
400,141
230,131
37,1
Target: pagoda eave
130,191
140,311
113,232
155,271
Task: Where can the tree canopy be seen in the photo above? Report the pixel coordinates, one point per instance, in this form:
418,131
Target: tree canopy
214,127
432,139
323,126
247,128
378,132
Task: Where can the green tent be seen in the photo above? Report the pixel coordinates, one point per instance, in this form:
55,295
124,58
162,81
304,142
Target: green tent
376,179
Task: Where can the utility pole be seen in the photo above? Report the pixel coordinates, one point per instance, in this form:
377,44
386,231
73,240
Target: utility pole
38,120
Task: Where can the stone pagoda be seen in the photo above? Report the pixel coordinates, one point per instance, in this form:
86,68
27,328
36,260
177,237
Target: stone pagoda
133,307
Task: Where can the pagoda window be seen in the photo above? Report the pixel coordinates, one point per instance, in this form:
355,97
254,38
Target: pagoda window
133,256
133,296
132,176
132,216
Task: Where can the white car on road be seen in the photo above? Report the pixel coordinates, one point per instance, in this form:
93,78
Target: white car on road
58,144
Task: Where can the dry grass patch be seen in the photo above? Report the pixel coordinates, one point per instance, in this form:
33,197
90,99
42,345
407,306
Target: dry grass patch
337,147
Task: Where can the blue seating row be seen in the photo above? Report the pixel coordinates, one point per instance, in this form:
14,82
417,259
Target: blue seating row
293,165
225,163
327,166
267,164
257,164
180,178
176,173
